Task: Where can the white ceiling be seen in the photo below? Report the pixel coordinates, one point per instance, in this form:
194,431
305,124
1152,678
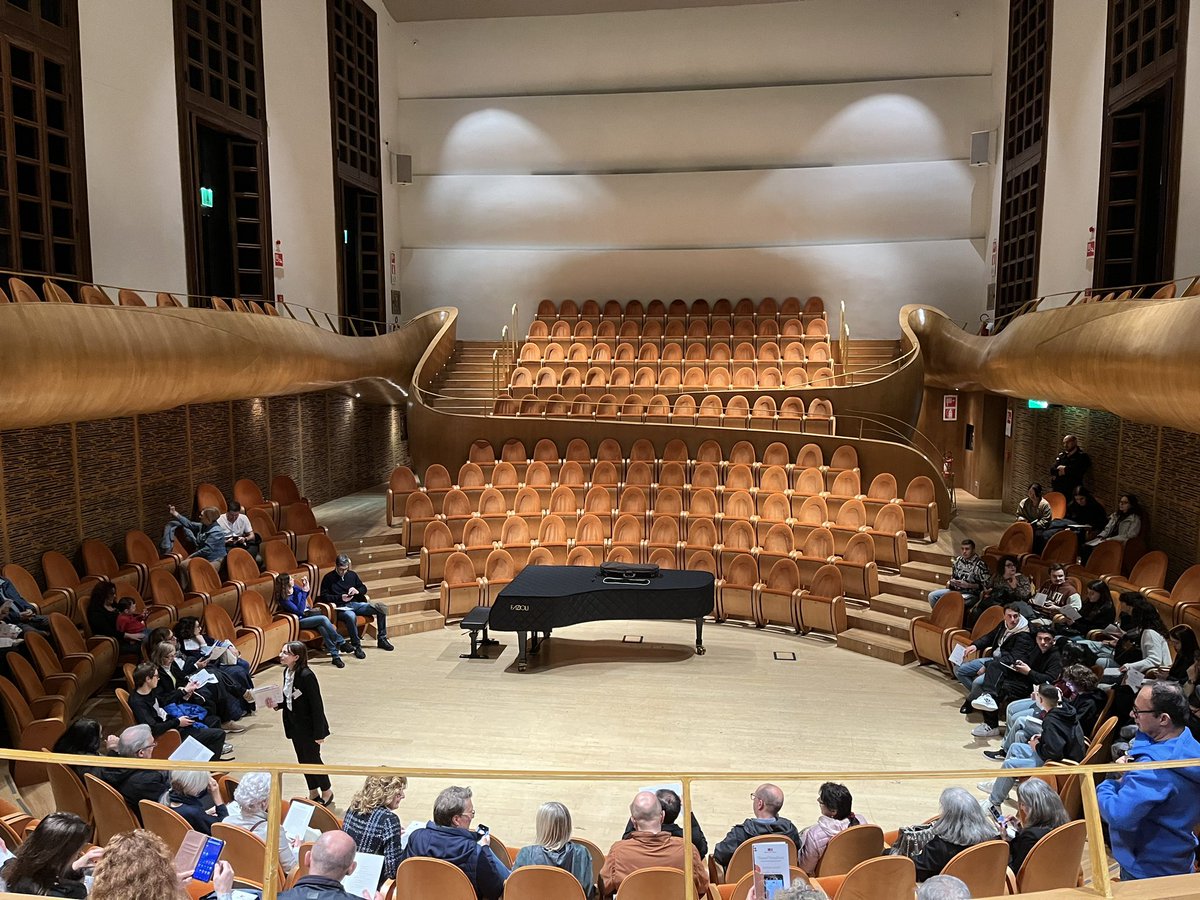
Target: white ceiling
430,10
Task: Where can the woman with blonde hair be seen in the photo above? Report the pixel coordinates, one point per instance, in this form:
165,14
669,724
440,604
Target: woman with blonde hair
555,848
372,821
137,866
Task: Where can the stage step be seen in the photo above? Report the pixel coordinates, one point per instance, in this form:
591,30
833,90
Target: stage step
913,588
927,553
878,622
880,646
395,587
895,605
415,623
922,571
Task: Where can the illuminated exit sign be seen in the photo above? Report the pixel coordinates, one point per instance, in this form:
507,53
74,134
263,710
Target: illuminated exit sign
206,197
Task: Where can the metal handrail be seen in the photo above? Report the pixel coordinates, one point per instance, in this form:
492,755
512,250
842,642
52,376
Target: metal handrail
917,440
1136,290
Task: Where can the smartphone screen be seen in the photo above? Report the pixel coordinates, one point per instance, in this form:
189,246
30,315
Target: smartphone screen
771,885
208,859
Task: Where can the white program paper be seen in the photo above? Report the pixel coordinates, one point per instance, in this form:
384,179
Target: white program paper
272,691
295,824
191,750
1134,678
771,871
203,677
364,880
958,654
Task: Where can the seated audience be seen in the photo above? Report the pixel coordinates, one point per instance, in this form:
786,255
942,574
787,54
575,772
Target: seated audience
835,804
1151,813
236,529
20,612
1096,612
138,866
372,822
345,590
1009,641
1084,509
103,614
1039,811
969,575
178,677
961,823
1055,593
766,802
249,812
649,846
553,846
292,597
1034,509
206,535
1003,684
84,737
136,742
1142,644
1069,467
1024,717
198,652
1060,740
944,887
1007,586
196,797
798,891
131,624
1182,645
672,806
1124,524
179,712
330,860
448,837
48,862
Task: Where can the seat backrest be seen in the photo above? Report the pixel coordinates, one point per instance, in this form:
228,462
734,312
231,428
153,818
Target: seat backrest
247,492
949,611
165,822
542,883
1150,571
1017,538
203,576
69,792
654,883
60,572
66,635
284,490
981,867
881,878
111,814
919,490
242,567
246,852
422,877
1062,547
742,860
848,848
1106,558
1053,863
210,495
1058,503
987,621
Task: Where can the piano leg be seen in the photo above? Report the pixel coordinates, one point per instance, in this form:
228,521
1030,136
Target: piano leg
522,657
700,637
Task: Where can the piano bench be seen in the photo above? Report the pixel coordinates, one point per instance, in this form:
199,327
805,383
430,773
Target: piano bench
474,622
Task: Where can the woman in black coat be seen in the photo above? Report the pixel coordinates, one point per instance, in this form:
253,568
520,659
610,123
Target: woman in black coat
304,720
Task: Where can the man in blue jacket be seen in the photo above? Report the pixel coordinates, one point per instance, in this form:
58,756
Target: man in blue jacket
448,837
1150,813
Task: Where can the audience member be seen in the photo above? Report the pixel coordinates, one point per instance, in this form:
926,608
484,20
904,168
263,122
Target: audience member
969,575
1069,467
1151,813
1124,524
84,737
1039,811
372,823
1008,586
553,846
131,624
448,837
944,887
330,860
345,590
835,804
236,529
102,616
1142,644
1056,593
178,683
1034,509
179,712
1024,717
137,866
225,663
1096,612
1004,684
651,846
672,806
20,612
1010,640
196,797
304,722
800,890
1085,509
136,742
961,823
292,597
1061,739
206,535
48,862
248,811
766,802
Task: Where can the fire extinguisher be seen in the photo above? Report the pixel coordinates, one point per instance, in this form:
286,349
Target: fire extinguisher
947,465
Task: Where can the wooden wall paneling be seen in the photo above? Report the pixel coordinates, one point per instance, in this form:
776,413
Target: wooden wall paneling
313,476
107,467
283,417
348,454
209,446
1137,466
1176,524
251,442
4,545
40,494
163,456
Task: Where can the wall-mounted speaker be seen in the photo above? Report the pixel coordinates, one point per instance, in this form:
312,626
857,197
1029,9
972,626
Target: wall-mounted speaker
401,168
981,148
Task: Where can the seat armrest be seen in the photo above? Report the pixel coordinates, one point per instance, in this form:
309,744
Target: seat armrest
98,642
50,706
63,683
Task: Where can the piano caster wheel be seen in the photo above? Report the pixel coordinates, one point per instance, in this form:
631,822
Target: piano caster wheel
520,667
700,651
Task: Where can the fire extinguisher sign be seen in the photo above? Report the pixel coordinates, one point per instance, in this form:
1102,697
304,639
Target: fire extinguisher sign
950,408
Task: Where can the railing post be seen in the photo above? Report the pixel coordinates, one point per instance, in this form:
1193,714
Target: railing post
689,879
1095,833
274,824
495,377
514,332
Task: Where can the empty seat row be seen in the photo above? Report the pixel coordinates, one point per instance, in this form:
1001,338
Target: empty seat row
635,309
649,378
706,353
92,295
719,329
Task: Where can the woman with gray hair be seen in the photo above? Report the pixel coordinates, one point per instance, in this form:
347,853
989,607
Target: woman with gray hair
553,846
961,823
1039,811
249,811
195,796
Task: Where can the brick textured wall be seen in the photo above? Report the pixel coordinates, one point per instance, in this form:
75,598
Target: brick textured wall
1158,464
98,479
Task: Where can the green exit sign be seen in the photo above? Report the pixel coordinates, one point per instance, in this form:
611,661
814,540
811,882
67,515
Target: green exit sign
206,197
1039,404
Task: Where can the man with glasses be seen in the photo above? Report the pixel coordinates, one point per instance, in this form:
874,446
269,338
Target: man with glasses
345,590
766,801
449,837
137,742
1150,814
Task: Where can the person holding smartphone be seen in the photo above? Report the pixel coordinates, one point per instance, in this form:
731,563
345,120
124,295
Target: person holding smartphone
48,862
304,721
292,596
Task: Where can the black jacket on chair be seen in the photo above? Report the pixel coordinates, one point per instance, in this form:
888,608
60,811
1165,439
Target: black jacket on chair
306,719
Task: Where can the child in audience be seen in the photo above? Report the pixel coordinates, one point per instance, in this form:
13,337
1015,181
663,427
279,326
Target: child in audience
130,623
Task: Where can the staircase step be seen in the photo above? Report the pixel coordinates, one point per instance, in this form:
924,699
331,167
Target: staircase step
896,605
880,646
396,587
878,622
906,587
922,552
416,622
409,603
923,571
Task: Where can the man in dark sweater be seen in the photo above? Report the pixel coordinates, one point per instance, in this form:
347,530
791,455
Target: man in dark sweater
330,860
1069,467
1006,683
345,590
136,742
767,800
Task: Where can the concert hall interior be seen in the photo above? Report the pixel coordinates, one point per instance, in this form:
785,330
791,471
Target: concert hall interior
564,398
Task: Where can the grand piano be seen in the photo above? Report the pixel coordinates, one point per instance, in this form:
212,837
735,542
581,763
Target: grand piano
542,598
